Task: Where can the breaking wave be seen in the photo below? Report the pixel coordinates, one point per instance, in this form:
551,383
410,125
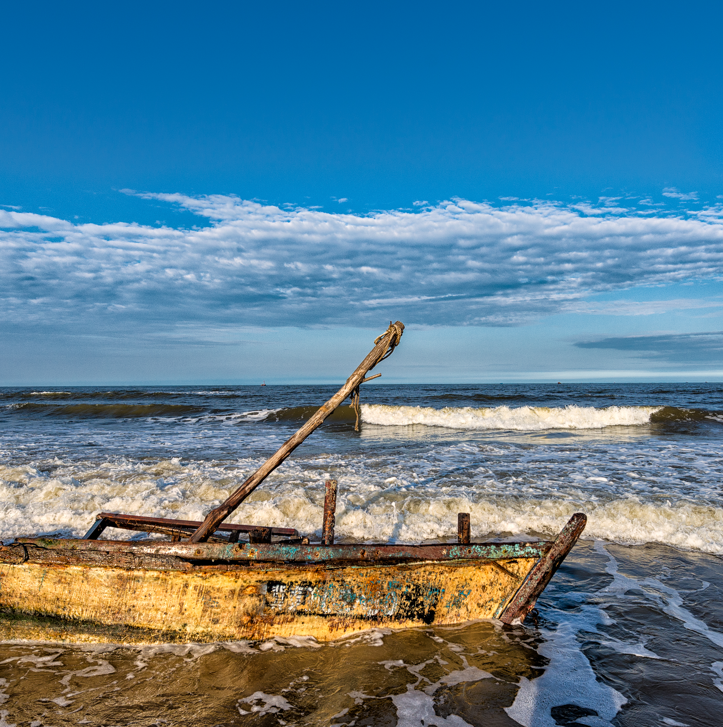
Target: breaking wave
524,418
64,496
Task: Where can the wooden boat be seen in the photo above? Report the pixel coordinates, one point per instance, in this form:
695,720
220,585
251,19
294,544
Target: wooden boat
204,583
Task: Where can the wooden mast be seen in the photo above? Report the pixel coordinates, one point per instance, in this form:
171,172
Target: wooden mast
384,345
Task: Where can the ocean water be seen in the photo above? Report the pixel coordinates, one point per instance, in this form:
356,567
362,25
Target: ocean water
629,632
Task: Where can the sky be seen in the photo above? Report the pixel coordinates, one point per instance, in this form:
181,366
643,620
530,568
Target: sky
235,192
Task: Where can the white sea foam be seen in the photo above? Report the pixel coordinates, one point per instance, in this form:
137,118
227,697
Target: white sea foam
262,704
523,418
256,415
667,599
717,668
507,490
568,680
416,706
416,709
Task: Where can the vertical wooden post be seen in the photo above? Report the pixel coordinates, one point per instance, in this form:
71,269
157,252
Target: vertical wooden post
327,532
463,528
260,535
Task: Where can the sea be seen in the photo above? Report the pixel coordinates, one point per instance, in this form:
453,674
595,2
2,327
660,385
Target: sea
629,631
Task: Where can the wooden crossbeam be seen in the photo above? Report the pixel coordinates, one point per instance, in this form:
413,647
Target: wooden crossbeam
174,528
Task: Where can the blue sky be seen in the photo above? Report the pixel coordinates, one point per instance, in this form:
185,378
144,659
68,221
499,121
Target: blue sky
230,192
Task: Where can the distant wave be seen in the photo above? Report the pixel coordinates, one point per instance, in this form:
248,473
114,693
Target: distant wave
674,414
52,394
523,418
108,395
197,413
256,415
119,394
290,415
107,411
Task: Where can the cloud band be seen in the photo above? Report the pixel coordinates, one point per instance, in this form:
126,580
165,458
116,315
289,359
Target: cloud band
459,262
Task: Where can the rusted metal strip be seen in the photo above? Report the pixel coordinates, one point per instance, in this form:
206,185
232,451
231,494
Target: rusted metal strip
463,529
524,600
327,531
284,552
27,553
14,554
384,345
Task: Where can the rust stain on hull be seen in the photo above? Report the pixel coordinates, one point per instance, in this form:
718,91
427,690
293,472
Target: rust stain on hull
205,604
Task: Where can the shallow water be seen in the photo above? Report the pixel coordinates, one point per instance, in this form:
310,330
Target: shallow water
629,632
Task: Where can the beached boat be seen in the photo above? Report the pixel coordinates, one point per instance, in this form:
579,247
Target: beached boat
204,583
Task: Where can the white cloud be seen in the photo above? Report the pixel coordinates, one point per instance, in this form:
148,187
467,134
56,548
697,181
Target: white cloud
459,262
642,308
673,192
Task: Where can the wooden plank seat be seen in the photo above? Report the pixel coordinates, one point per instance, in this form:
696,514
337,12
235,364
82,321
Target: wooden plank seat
182,529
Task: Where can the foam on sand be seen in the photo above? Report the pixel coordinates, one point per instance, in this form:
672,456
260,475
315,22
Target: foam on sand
568,681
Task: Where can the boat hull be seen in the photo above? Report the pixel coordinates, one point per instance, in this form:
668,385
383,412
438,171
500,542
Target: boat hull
210,604
156,591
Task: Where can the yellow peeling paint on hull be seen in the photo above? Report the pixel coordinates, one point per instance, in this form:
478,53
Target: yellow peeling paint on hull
81,603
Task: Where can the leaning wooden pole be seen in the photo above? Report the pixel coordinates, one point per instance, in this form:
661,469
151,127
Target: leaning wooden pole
534,584
384,345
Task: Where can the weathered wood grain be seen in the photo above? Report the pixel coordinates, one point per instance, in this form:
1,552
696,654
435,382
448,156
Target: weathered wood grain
327,529
463,528
538,578
283,552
